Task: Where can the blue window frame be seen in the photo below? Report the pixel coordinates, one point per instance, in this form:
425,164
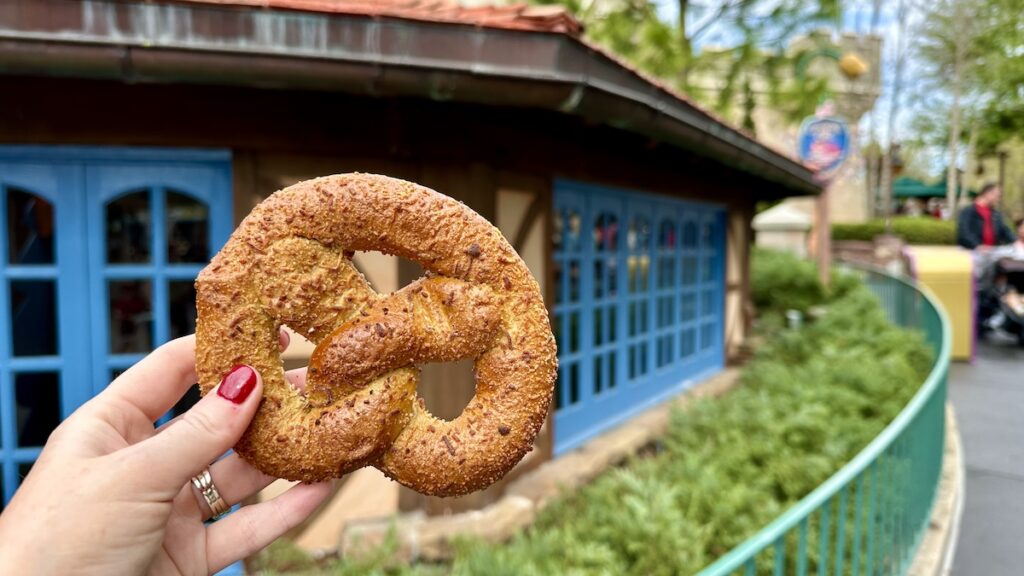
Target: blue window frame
79,221
639,303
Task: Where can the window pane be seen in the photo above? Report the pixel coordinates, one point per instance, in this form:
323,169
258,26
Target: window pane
33,318
706,234
29,228
557,230
707,302
188,224
38,398
558,281
687,342
574,332
559,401
574,383
556,327
571,230
639,268
574,282
183,308
707,336
690,234
667,235
606,232
633,351
613,272
666,272
688,303
639,235
666,311
128,229
689,270
707,269
131,316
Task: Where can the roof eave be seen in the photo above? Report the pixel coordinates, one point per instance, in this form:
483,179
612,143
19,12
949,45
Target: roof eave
393,57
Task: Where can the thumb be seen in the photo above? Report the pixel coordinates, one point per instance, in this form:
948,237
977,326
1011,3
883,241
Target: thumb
201,435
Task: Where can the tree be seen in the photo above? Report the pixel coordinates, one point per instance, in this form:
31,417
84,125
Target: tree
973,72
902,13
947,46
754,57
999,47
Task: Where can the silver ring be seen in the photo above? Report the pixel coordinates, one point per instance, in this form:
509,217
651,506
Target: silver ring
204,483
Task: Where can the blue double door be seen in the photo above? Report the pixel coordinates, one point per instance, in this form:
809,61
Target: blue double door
98,256
639,303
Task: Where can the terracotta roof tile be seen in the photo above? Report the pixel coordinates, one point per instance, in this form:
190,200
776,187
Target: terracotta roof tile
513,17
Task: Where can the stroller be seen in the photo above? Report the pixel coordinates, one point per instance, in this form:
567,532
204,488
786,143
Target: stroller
1001,291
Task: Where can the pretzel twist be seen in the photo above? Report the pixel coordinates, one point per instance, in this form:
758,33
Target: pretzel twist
289,263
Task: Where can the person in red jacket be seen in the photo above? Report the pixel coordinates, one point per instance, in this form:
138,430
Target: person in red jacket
981,224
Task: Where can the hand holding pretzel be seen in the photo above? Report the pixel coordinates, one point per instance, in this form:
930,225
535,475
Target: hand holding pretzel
289,263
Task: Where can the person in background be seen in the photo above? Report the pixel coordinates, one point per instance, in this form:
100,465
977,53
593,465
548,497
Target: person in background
1019,244
981,225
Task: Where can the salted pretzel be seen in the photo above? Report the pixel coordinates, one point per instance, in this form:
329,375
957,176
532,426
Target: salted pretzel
289,263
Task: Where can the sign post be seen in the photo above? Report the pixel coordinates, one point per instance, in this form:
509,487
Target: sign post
823,145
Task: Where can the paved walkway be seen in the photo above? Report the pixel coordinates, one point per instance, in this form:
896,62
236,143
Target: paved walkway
989,400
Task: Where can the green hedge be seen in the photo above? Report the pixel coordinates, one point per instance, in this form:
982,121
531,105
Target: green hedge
913,230
811,398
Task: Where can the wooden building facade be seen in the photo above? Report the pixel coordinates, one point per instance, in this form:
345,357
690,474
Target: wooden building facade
135,135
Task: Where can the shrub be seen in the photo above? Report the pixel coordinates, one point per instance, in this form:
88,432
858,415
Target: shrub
913,230
781,281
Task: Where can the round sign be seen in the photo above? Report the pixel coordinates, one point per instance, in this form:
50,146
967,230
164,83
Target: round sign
824,144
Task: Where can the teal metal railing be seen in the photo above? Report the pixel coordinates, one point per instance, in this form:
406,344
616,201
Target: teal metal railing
870,516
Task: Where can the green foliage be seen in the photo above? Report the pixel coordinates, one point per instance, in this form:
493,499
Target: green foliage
1000,71
988,33
917,231
780,281
283,557
758,31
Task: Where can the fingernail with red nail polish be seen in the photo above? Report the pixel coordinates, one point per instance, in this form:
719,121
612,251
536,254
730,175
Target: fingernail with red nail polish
237,385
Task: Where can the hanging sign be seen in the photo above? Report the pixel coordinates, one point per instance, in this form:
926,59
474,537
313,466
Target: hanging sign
824,144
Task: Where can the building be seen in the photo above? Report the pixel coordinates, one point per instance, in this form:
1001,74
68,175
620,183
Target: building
819,55
136,134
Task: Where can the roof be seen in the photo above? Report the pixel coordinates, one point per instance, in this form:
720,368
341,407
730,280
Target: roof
907,187
523,56
782,217
547,18
531,18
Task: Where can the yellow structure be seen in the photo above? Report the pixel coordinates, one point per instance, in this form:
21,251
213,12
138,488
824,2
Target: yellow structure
949,272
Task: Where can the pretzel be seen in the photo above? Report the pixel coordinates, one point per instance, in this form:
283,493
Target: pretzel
289,263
